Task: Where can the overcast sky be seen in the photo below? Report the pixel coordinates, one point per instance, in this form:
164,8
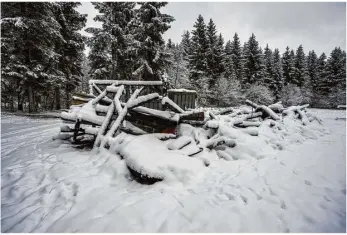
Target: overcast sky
317,26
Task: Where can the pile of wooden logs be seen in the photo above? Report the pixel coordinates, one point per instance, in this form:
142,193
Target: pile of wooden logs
103,118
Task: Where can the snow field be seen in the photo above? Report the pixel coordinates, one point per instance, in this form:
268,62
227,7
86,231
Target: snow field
291,179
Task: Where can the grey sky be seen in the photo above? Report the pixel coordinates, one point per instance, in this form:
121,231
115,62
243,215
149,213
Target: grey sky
319,26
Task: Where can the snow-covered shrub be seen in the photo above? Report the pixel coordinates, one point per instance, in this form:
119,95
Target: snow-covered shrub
292,95
259,94
228,91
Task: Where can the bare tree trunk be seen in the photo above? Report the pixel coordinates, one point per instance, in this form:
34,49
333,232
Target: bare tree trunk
20,103
57,98
67,93
31,100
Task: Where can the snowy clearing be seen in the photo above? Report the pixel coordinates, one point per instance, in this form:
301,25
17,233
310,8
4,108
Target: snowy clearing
50,186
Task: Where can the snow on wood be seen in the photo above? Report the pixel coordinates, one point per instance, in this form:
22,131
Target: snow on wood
106,121
168,115
181,90
167,100
179,143
214,142
126,82
268,111
99,97
212,115
251,131
111,89
277,107
212,124
341,106
80,99
225,111
248,123
253,105
142,99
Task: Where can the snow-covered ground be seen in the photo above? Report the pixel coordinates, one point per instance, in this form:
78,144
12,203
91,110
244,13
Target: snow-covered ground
49,186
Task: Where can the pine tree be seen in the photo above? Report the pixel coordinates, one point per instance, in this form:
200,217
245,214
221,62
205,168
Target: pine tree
269,68
228,62
278,74
236,53
253,62
72,51
199,48
211,56
169,44
111,46
220,56
30,36
312,64
288,66
336,69
186,45
151,60
300,72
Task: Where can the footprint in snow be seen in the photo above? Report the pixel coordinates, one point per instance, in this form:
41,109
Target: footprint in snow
308,182
244,199
343,191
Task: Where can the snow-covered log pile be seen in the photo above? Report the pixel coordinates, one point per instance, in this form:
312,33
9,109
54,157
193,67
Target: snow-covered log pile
249,131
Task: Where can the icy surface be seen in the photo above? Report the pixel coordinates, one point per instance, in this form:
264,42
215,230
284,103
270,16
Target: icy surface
290,178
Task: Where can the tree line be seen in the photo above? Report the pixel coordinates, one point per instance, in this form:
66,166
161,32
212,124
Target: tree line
43,61
227,73
41,53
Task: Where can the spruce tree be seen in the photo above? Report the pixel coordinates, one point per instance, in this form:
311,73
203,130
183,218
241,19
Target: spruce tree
228,62
72,51
312,64
30,38
253,62
151,60
169,44
335,71
321,73
211,56
236,54
199,48
269,68
278,74
300,72
186,45
111,46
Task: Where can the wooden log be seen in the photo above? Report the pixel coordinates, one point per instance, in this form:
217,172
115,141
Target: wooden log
268,111
253,105
224,111
248,124
109,114
172,105
214,142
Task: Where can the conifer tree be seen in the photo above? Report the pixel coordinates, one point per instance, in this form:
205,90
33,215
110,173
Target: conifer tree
186,45
228,61
151,59
312,63
300,72
278,74
269,67
72,51
199,48
30,36
236,53
110,55
253,62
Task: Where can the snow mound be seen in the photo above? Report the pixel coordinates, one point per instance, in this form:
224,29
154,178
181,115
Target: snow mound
150,157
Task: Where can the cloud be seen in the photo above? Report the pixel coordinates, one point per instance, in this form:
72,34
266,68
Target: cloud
317,26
